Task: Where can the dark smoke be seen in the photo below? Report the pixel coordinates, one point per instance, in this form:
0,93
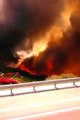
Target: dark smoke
24,19
73,46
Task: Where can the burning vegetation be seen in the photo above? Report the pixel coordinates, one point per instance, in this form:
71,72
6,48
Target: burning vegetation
41,37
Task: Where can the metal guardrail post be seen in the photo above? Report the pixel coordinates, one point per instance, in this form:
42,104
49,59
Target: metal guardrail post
74,84
12,94
55,86
34,89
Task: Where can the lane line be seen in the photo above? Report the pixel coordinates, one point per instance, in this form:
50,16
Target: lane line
45,114
39,104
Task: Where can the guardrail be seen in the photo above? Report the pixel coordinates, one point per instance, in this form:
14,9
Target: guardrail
34,85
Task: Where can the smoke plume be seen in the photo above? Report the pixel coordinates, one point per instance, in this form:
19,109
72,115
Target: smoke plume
40,36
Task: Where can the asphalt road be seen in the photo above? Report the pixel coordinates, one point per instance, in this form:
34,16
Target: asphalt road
57,105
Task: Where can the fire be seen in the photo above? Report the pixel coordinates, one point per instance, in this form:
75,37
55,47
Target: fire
38,47
52,51
55,33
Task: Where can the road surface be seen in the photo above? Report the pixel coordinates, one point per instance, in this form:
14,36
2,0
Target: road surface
57,105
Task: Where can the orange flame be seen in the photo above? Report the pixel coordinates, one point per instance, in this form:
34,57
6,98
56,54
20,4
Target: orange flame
55,33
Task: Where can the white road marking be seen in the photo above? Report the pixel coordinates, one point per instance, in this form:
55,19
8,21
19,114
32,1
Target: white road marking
44,114
39,104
